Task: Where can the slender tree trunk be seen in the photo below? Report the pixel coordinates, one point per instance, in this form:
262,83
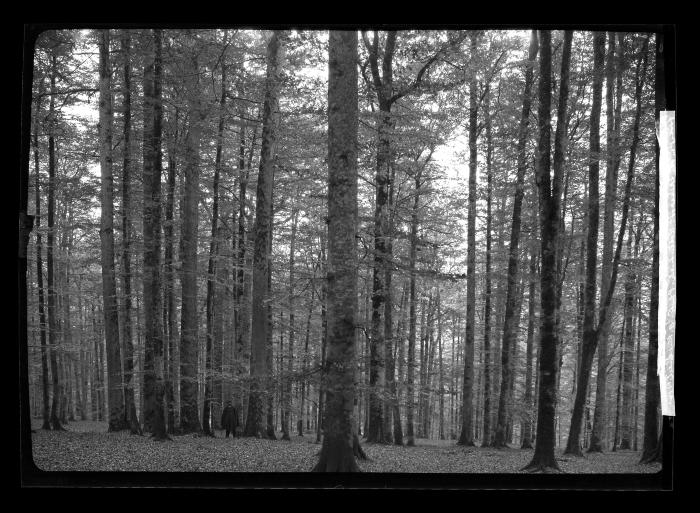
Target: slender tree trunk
599,420
212,267
261,258
466,437
173,361
130,405
411,365
287,381
45,412
241,311
590,336
526,429
616,434
337,452
627,352
109,286
651,448
487,299
510,326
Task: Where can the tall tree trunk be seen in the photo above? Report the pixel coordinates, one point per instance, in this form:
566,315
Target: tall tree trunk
510,326
189,213
241,311
152,299
261,258
627,352
129,403
109,285
45,412
589,341
173,361
526,429
337,453
287,397
212,266
651,447
411,364
543,459
599,420
486,436
324,339
466,437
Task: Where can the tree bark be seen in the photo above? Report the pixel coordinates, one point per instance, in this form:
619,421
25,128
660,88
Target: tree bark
526,429
466,437
543,459
599,417
130,405
337,454
589,341
45,412
651,447
212,266
255,424
411,364
109,286
152,299
189,213
287,397
510,326
173,360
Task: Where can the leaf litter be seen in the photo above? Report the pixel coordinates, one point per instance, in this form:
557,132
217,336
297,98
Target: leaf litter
87,446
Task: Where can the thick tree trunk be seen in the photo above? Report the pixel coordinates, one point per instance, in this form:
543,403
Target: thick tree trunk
510,326
130,405
189,213
109,285
543,459
255,424
337,453
152,298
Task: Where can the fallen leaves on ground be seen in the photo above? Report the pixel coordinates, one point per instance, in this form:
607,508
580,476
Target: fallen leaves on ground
87,446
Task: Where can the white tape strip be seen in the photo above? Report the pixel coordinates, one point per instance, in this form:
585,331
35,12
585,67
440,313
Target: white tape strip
667,258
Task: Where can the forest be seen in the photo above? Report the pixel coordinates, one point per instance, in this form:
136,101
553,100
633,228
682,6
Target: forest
344,248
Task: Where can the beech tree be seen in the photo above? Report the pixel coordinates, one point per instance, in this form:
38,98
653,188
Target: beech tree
337,451
109,287
259,366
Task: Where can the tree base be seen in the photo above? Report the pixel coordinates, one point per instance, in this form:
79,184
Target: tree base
526,444
545,469
357,450
336,456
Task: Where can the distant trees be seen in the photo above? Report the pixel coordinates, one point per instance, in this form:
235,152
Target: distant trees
449,254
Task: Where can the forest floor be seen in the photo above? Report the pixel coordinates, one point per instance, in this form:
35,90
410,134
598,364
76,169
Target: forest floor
87,446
